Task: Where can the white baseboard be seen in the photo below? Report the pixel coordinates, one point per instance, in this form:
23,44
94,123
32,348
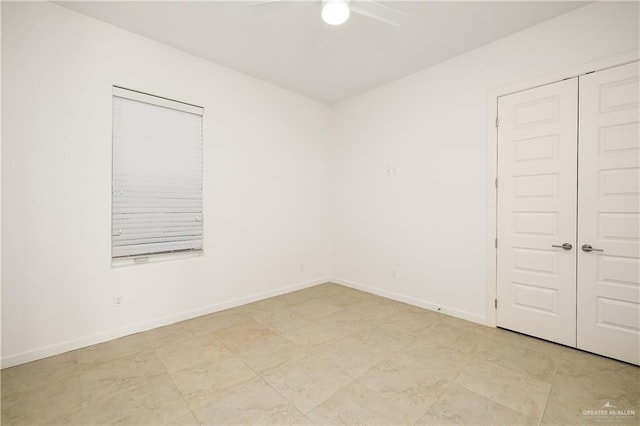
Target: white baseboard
69,345
469,316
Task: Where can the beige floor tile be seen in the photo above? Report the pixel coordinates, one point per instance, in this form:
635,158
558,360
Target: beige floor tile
34,374
599,372
245,334
270,353
335,354
370,297
558,412
314,334
113,349
326,290
589,382
565,407
444,361
316,307
187,419
105,378
299,329
347,299
500,335
261,348
462,324
410,322
218,320
354,362
173,333
302,421
359,351
281,320
254,404
357,404
518,391
44,403
367,312
587,394
460,406
348,320
154,402
204,384
378,340
363,294
445,335
341,296
192,352
308,382
408,382
540,365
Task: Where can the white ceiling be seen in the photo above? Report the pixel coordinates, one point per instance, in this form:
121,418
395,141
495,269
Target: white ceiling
289,45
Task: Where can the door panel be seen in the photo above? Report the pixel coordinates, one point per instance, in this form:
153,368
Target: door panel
537,145
609,214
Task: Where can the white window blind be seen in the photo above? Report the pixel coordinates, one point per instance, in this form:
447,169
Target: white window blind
157,175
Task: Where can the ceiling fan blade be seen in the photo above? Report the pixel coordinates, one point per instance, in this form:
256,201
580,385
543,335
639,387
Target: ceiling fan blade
262,2
379,12
273,6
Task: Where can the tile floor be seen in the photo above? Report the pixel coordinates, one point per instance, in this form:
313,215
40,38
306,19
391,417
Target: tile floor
324,355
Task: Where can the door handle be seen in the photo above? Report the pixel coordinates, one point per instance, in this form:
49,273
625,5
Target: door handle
566,246
588,248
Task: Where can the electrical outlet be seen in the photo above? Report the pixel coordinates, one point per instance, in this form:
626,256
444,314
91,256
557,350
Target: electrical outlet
117,301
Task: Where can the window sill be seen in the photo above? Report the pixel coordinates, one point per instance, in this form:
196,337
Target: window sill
154,258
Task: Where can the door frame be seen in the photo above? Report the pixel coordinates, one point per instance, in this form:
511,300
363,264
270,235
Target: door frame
492,154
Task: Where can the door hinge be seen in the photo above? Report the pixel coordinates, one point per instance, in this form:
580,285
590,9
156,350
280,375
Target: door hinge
495,242
495,303
496,183
497,121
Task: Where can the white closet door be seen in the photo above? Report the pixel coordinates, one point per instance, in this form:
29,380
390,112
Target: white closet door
609,214
537,143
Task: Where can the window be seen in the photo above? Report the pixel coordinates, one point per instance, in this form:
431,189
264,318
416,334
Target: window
157,175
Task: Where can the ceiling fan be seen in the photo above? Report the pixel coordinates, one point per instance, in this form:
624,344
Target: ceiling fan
336,12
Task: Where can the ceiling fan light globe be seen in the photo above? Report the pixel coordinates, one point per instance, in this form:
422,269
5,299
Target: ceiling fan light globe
335,12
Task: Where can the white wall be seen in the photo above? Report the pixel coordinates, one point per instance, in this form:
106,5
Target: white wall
428,222
333,208
265,150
